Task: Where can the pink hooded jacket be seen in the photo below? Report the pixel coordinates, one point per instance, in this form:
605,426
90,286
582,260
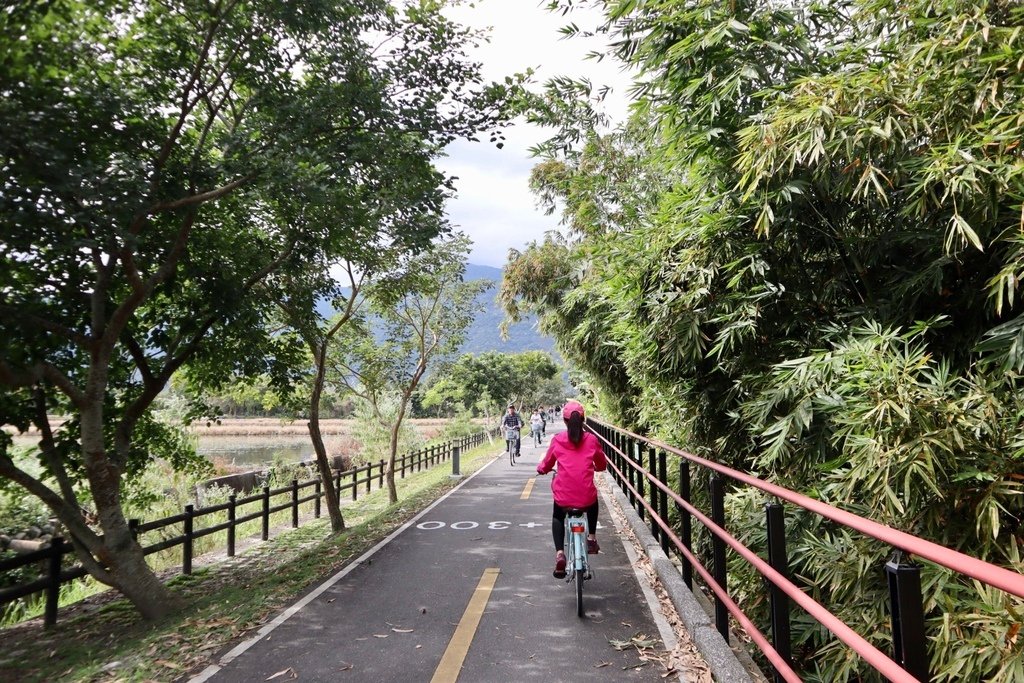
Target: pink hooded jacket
573,486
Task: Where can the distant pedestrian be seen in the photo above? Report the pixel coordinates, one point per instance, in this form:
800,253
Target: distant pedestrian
543,420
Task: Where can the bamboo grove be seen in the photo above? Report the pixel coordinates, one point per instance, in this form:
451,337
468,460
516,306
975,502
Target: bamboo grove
801,256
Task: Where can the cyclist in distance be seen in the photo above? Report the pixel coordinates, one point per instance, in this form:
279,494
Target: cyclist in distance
537,427
578,455
512,421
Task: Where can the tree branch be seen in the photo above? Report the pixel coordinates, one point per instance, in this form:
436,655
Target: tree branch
49,451
70,517
139,356
37,373
186,92
13,312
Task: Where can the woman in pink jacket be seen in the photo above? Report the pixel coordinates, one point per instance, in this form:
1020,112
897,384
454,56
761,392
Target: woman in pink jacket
578,455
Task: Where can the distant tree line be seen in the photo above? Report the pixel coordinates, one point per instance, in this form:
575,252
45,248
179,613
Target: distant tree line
481,383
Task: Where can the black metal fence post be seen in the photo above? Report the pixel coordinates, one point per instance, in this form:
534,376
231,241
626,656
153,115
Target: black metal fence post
53,578
232,512
652,467
779,602
265,533
663,497
295,503
186,547
636,452
685,521
908,638
616,455
718,554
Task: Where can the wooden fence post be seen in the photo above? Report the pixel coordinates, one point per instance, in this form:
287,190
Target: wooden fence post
186,548
266,513
53,576
295,503
232,505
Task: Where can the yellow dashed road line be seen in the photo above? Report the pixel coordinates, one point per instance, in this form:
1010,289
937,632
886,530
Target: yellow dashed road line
528,489
451,662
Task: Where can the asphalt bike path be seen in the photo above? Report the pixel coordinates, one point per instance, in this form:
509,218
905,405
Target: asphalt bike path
463,592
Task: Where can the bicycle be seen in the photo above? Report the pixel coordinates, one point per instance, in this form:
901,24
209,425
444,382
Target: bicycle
577,563
511,444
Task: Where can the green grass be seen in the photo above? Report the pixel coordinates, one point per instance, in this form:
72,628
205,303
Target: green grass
222,602
170,560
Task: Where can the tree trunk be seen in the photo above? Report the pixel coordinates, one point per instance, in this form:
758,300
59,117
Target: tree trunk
138,583
487,427
323,465
119,553
389,474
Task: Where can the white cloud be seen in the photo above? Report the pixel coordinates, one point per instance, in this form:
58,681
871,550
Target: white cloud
494,205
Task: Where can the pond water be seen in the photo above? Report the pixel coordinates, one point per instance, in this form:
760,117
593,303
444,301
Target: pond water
243,451
255,450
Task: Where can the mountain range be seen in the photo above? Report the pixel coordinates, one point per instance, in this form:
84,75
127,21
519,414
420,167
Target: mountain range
483,334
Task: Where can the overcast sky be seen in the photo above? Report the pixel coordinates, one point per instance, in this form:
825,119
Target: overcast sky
494,205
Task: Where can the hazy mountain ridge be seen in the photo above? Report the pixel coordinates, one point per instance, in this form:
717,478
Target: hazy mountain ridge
483,335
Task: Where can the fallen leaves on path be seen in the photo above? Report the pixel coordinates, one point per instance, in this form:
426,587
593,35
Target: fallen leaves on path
684,659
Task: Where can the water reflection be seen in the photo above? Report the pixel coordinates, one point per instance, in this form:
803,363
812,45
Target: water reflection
255,450
242,451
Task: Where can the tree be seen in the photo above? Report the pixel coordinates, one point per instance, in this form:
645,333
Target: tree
318,339
502,377
819,281
167,167
422,311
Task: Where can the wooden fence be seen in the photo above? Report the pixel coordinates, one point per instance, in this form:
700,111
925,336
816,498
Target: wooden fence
350,482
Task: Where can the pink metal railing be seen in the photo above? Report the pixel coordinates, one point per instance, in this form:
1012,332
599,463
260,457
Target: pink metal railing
992,575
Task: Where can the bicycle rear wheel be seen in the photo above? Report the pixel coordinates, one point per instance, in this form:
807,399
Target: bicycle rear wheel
580,563
579,593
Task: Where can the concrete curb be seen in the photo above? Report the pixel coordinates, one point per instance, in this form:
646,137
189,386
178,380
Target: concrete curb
724,662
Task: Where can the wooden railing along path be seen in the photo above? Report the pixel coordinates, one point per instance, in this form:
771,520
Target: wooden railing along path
296,493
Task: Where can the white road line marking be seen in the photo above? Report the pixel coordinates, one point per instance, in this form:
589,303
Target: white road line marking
236,651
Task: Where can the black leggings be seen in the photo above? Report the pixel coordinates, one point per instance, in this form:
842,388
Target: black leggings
558,523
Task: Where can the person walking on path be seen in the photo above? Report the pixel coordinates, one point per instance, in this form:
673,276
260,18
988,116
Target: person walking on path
578,455
543,421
